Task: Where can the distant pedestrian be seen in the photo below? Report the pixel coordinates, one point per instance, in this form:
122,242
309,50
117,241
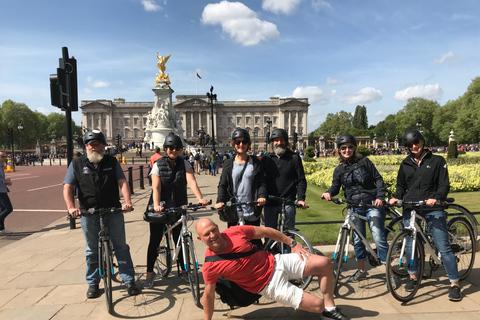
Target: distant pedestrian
5,204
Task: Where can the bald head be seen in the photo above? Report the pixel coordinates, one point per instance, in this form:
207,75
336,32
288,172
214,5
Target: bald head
208,233
203,224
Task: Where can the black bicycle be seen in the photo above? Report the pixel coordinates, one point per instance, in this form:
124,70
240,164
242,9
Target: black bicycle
105,251
169,251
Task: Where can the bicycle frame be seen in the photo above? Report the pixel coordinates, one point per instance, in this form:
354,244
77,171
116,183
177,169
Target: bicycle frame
103,237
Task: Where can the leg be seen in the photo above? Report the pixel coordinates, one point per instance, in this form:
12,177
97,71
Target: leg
156,234
271,216
376,222
322,268
358,246
5,209
90,227
116,225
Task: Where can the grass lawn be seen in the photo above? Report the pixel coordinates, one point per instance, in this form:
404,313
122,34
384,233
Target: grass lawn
322,210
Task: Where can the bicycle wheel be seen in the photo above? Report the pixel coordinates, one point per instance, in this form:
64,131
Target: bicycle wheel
106,273
462,242
192,270
163,264
394,228
454,209
339,259
396,268
275,248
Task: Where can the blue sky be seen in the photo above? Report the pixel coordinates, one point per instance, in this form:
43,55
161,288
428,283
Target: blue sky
339,54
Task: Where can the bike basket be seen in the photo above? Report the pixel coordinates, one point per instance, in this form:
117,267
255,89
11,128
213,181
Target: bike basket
228,214
165,218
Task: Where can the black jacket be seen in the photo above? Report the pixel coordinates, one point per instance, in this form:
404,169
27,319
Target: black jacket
362,183
433,183
174,181
285,176
225,186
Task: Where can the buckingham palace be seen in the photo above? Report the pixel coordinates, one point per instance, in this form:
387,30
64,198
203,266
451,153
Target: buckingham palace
129,119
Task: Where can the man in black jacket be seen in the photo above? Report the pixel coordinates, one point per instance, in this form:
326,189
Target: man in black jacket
285,178
98,178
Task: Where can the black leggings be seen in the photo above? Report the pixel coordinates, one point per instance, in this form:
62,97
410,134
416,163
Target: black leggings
156,234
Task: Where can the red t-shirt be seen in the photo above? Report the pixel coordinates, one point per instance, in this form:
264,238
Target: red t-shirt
251,273
154,158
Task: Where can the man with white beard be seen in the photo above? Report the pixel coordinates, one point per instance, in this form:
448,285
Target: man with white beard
98,178
285,178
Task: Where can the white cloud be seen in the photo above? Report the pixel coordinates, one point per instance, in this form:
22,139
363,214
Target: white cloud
43,110
334,81
429,91
87,91
97,83
362,96
315,95
318,5
240,22
280,6
381,114
449,58
151,5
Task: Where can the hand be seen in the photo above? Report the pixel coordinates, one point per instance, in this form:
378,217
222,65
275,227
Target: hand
74,212
378,203
303,204
158,209
393,201
431,202
127,207
219,205
301,251
203,202
261,201
327,196
8,182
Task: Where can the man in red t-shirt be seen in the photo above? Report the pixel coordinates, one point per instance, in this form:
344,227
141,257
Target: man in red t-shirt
155,157
264,273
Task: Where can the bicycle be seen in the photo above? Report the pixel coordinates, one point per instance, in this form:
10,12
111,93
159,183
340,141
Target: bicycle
237,217
105,252
461,238
167,254
274,247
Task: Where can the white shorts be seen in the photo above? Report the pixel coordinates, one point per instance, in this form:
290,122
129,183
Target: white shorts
287,267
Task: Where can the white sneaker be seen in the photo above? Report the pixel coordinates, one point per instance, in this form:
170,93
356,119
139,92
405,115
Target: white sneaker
5,231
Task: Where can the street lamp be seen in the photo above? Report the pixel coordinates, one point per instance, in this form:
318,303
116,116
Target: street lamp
255,133
419,126
269,124
20,128
213,100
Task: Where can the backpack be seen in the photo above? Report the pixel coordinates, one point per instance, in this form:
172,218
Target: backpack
230,292
197,156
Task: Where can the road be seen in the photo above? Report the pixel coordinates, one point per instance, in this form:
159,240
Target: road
36,196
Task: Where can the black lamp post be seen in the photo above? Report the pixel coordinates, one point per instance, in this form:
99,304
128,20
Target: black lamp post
213,100
269,124
255,133
419,126
20,128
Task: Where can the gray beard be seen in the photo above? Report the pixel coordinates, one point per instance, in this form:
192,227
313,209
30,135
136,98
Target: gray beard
279,150
94,157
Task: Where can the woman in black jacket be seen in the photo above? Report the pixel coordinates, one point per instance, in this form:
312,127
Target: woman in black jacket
240,183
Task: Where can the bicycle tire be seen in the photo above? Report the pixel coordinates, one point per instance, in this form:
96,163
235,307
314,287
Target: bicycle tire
339,259
458,210
396,268
393,228
163,264
275,248
462,241
192,271
106,273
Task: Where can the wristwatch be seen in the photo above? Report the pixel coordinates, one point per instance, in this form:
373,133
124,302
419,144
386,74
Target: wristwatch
293,243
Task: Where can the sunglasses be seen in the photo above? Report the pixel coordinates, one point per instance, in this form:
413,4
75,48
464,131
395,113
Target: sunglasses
410,144
176,148
238,142
343,148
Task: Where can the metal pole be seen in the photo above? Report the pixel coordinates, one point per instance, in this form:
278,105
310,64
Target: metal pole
130,179
142,186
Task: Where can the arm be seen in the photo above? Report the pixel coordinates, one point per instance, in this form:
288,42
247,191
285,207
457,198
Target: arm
301,182
335,187
125,190
208,301
377,178
156,192
261,185
69,200
274,234
192,184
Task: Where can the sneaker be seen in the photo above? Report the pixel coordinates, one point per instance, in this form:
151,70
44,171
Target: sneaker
411,285
394,281
148,284
132,289
93,291
454,294
5,231
358,275
184,276
335,314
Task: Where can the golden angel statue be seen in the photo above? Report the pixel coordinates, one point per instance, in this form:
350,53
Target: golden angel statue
161,65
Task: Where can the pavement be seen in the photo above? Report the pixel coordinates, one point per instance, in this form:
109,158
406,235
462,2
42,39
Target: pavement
43,277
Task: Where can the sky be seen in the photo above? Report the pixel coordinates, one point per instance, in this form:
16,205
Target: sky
338,54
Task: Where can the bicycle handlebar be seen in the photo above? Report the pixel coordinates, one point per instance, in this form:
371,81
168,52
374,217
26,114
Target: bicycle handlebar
236,204
422,203
190,206
360,204
285,201
92,211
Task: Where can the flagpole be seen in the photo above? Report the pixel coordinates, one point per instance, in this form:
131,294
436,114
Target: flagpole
196,82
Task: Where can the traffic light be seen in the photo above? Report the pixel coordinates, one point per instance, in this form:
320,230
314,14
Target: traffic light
118,139
267,135
295,139
63,84
10,136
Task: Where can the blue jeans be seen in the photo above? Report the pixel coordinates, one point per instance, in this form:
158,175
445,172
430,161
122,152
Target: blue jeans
213,168
437,224
376,222
5,208
116,228
272,213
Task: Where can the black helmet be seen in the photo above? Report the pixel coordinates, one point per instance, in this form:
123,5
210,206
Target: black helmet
279,133
238,133
344,138
412,135
172,140
94,135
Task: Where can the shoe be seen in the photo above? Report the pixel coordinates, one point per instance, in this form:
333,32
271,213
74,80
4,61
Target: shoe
335,314
93,291
455,294
394,281
132,289
411,285
358,275
148,284
183,275
5,231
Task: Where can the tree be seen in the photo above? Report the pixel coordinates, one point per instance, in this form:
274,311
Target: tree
338,123
360,120
388,127
444,120
12,114
467,124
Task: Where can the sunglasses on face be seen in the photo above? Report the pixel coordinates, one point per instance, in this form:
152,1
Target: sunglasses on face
415,142
238,142
343,148
175,148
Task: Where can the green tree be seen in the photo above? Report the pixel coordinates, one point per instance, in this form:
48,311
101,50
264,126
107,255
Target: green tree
388,127
360,120
444,119
336,123
14,113
467,124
